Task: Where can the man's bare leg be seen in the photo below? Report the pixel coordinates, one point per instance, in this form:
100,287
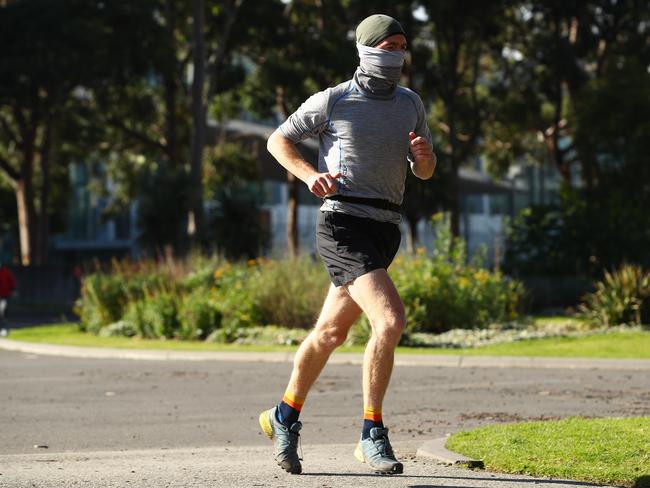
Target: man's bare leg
377,296
375,293
336,318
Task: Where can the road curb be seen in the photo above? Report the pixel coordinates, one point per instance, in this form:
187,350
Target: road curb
435,449
337,358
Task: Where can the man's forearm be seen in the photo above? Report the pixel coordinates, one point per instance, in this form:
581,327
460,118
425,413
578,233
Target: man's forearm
285,152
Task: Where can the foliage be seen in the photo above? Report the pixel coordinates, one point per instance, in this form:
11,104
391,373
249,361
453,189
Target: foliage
101,303
268,335
54,54
622,297
212,298
269,292
290,292
587,232
442,292
537,243
162,208
236,224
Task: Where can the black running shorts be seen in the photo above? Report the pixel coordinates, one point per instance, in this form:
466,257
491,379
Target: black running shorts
353,246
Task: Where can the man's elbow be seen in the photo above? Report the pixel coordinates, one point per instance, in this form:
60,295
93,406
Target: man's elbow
277,141
271,142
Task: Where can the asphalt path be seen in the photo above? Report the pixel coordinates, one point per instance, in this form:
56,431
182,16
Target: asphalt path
116,422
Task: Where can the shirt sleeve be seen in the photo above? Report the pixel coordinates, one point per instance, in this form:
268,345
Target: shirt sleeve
309,120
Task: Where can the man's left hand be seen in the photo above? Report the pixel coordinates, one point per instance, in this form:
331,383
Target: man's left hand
422,151
424,161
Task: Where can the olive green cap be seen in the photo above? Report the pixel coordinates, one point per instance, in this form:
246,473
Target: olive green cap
374,29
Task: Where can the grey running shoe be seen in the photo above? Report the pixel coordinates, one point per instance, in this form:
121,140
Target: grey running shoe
378,453
286,440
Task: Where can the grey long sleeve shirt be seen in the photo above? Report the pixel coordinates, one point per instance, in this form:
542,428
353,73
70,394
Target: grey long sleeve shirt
363,137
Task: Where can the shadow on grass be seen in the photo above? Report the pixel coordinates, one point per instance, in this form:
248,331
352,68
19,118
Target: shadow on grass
642,481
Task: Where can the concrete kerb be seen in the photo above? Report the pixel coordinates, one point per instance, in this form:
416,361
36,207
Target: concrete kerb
337,358
435,449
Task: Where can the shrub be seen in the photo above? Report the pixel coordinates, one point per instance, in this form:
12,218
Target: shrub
268,335
290,292
210,298
442,292
199,315
160,313
233,298
102,300
622,297
268,292
134,315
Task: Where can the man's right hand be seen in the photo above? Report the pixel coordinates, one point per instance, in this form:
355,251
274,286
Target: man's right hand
322,184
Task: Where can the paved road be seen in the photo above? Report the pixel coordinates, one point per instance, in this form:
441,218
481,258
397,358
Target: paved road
326,466
89,411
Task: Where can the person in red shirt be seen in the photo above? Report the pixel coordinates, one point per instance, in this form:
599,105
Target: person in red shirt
7,288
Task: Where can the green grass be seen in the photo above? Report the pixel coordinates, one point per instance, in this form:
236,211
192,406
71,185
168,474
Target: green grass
612,345
608,451
70,335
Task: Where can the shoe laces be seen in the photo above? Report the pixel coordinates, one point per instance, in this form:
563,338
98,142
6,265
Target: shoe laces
296,442
383,446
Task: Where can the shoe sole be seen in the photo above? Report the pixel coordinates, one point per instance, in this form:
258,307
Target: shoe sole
265,424
396,469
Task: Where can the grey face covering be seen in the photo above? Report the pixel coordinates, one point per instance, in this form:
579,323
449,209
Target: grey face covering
379,70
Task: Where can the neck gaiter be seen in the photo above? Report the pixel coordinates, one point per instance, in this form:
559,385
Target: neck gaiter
379,70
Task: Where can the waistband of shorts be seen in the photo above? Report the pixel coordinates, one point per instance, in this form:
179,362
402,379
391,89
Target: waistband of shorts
373,202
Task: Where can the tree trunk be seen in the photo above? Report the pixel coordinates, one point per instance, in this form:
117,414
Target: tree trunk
40,256
293,185
454,189
195,217
26,220
412,234
24,189
171,88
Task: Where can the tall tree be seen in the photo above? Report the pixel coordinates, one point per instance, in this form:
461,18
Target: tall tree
463,38
299,47
201,97
159,119
554,52
50,53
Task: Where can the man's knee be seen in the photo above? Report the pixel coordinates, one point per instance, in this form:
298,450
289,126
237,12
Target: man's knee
330,338
391,326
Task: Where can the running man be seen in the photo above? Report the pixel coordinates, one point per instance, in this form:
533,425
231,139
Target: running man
368,128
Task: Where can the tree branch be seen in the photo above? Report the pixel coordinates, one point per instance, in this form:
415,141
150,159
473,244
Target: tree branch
220,55
136,134
8,170
20,118
9,130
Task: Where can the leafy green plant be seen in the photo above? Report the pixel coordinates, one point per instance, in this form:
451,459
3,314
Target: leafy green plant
134,315
441,291
198,315
103,298
622,297
161,314
290,292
